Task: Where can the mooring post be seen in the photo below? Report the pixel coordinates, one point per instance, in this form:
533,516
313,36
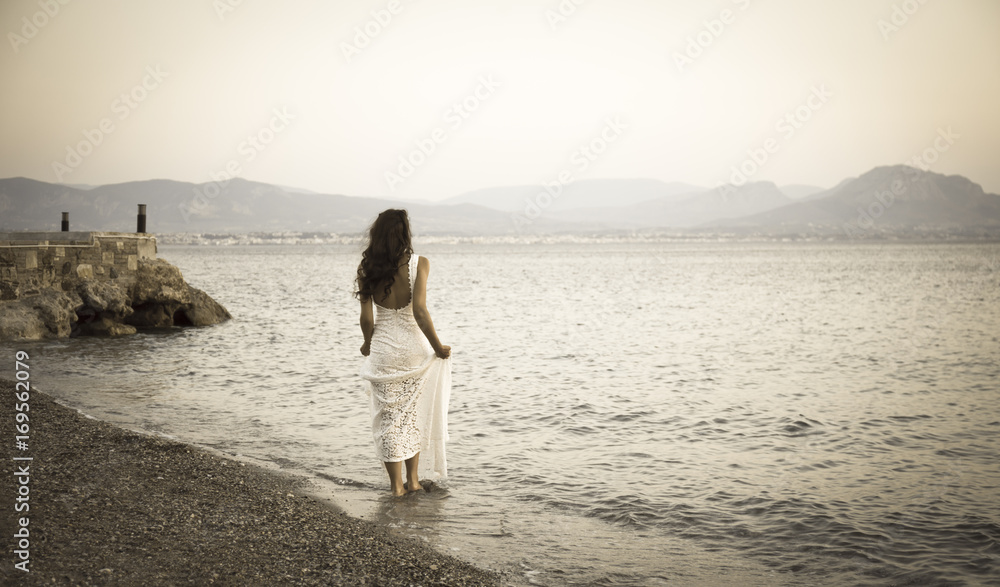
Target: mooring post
141,219
65,222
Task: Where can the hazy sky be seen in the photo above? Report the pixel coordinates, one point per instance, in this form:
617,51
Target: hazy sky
496,92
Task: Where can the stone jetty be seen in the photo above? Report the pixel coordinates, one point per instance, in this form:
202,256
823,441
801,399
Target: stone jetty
64,284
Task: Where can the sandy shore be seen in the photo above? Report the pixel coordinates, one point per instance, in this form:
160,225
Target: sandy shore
109,506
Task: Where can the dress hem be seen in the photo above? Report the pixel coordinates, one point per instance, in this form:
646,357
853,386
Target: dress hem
399,460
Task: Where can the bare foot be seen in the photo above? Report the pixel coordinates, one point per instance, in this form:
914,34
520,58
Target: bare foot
410,489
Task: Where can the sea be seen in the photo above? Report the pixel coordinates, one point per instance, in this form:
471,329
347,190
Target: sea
623,411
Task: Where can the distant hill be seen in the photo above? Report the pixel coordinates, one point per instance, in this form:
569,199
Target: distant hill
886,197
237,206
892,198
79,186
683,210
295,190
823,193
799,191
588,193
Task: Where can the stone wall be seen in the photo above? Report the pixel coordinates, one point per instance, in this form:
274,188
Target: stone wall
33,261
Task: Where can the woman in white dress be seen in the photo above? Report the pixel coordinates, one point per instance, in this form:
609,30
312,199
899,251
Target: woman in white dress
407,371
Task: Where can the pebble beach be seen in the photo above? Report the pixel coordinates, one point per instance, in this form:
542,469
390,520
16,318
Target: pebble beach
110,506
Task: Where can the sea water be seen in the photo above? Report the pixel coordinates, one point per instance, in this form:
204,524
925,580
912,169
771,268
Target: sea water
622,413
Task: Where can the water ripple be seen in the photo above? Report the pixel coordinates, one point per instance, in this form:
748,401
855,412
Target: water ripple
827,411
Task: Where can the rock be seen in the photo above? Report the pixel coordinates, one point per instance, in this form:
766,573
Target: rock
202,311
57,309
158,292
158,282
105,307
105,299
161,299
152,315
20,322
105,326
9,290
50,314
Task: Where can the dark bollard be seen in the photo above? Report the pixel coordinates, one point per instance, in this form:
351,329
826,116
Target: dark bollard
65,222
141,219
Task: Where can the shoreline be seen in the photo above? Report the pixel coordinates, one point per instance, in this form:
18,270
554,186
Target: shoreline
109,505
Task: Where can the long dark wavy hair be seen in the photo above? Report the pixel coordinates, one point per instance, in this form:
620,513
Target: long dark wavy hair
388,244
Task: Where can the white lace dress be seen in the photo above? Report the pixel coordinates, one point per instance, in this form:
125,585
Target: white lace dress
409,388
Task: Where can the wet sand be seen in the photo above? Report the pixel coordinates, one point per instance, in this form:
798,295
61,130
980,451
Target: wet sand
110,506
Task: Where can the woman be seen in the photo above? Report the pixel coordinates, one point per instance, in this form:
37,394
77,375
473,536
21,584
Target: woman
407,370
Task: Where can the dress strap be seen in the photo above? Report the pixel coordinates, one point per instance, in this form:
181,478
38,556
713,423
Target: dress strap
413,272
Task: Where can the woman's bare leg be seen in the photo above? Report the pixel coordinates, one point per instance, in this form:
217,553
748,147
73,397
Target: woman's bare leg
412,479
396,477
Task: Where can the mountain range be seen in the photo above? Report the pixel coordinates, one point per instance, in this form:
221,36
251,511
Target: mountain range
885,199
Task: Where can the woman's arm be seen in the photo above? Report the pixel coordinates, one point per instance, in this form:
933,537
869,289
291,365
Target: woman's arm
367,325
420,313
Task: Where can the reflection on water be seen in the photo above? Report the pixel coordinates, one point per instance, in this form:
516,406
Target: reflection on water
736,413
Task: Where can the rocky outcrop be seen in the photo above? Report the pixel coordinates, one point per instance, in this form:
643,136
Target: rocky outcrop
158,282
202,311
161,298
157,297
19,321
158,292
104,308
50,314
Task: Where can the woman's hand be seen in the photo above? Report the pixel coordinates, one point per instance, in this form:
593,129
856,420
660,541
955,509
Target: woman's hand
444,352
366,348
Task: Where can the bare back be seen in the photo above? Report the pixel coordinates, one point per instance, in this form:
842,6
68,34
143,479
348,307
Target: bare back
399,294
